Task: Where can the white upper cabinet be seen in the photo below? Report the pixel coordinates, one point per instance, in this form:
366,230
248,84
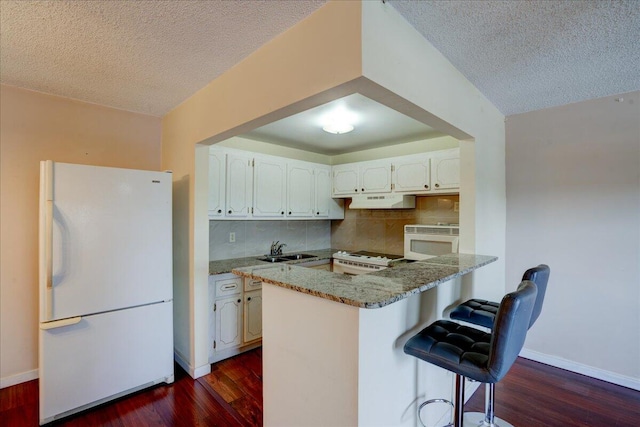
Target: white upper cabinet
245,185
375,176
269,187
300,189
362,177
216,184
432,172
322,194
411,174
238,186
445,170
345,180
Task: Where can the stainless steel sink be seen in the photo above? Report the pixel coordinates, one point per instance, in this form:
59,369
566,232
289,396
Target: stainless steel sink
297,256
283,258
273,259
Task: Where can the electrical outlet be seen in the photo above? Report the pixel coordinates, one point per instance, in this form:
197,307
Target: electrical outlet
456,206
232,237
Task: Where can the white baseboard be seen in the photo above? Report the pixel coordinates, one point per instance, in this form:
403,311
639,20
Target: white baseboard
590,371
18,378
201,371
193,372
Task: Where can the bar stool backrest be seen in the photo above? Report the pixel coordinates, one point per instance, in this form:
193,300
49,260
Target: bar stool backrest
510,329
540,276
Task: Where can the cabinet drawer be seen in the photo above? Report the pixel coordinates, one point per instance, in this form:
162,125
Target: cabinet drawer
228,287
252,284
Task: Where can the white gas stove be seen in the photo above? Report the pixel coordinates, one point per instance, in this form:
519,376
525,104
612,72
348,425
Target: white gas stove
361,262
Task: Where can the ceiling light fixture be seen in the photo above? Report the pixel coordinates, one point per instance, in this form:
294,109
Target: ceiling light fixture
337,128
339,121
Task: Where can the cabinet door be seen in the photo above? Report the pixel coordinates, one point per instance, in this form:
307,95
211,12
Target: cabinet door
216,184
411,174
239,185
445,170
300,194
269,187
322,193
375,176
252,315
228,322
345,180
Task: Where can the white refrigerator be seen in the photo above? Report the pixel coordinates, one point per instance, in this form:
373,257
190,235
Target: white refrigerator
105,285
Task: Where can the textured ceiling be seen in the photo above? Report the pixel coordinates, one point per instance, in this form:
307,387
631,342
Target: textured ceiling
149,56
142,56
528,55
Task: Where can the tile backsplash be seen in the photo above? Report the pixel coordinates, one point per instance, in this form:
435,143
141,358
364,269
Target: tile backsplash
255,237
383,230
361,229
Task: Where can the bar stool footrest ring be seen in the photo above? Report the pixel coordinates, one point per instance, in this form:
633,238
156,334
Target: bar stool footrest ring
430,401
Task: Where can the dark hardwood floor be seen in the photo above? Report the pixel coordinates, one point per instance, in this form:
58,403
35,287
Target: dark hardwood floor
534,394
531,395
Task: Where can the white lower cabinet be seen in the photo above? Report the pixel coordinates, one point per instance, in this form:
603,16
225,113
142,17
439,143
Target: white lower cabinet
235,320
252,315
228,322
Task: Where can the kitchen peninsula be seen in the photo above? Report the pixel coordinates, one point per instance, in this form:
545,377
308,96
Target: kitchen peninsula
332,344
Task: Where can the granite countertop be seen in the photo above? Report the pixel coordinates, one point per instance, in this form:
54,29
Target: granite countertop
226,265
371,290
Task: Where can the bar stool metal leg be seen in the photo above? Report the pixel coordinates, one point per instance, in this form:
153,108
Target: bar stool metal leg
458,406
458,418
488,419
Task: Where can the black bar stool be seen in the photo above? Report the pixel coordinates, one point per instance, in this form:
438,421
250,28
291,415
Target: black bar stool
482,313
471,353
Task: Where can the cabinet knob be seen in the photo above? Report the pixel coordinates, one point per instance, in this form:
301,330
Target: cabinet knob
426,186
219,210
356,190
229,210
249,299
317,213
282,213
239,301
289,212
437,185
363,189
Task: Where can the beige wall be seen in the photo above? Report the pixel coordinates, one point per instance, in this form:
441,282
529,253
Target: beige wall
343,48
573,202
304,67
37,127
254,146
396,57
405,149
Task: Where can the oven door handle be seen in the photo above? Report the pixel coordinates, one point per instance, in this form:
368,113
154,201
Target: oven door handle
356,269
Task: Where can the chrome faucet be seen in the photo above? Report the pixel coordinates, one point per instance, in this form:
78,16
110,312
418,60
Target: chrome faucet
276,248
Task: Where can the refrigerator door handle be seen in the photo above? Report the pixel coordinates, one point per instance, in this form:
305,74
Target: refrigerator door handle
48,239
49,244
60,323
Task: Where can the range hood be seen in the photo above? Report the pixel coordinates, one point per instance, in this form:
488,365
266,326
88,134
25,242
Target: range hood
384,201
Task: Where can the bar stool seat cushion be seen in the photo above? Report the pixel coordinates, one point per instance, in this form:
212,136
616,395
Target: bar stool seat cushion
445,344
477,311
475,354
482,312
